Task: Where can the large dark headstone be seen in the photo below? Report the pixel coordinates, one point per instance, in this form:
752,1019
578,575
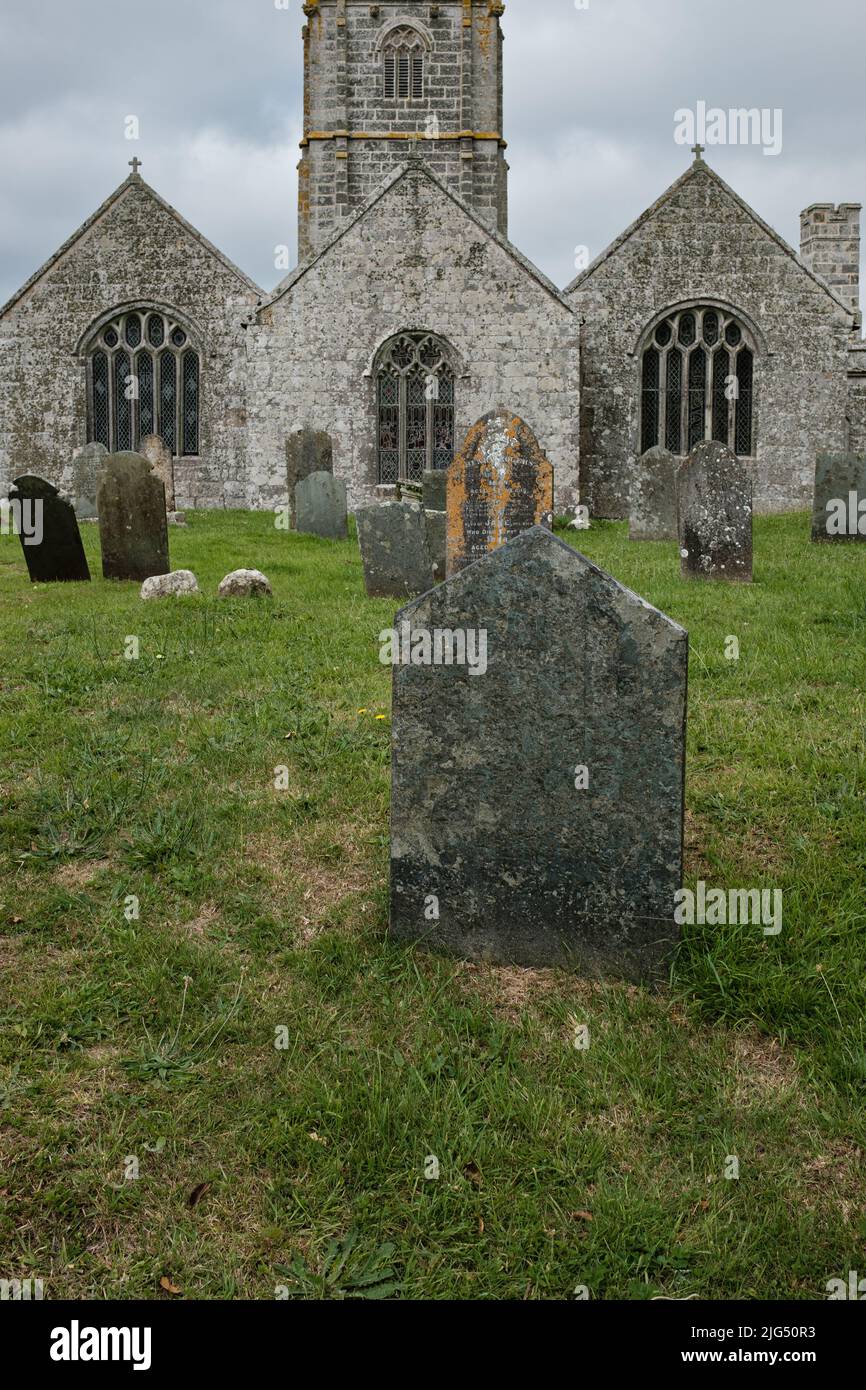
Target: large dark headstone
308,451
499,485
714,501
48,530
839,505
132,522
394,550
320,507
86,468
653,510
537,805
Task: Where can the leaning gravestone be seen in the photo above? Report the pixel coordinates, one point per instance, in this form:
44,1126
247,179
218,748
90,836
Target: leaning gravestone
86,468
653,511
47,526
308,451
499,485
839,505
714,503
320,507
537,799
154,448
394,550
132,525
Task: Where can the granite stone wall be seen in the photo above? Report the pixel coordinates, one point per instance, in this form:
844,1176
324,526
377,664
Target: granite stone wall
354,136
700,244
415,261
134,252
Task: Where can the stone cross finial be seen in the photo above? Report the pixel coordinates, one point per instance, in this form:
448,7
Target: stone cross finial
698,152
135,165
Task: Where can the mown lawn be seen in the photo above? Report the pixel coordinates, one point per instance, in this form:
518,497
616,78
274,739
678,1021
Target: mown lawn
255,1032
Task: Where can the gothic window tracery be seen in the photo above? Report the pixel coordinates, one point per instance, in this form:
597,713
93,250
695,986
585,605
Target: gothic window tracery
403,55
144,378
415,407
697,379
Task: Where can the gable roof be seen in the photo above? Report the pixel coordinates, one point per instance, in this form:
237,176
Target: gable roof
701,169
133,181
416,168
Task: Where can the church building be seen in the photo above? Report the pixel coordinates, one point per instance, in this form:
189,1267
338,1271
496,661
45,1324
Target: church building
410,314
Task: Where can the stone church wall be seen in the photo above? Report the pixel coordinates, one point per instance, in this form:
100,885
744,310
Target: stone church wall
701,245
414,261
136,252
857,399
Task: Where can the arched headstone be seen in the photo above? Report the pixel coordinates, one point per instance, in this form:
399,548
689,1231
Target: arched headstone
714,502
499,485
132,524
48,530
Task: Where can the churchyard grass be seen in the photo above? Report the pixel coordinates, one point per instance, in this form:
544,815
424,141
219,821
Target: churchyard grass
278,1075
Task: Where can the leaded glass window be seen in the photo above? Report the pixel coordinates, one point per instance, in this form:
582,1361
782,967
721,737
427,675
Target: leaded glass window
144,377
697,382
415,407
403,55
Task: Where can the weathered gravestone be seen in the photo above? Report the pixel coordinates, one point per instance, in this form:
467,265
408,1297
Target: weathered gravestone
132,525
653,510
537,799
48,528
394,550
86,468
714,503
499,485
435,489
154,448
320,507
308,451
839,505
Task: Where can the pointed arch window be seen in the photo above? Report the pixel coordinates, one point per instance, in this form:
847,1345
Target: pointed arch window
697,378
415,407
403,57
144,377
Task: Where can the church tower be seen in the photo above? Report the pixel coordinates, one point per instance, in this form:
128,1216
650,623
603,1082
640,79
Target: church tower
385,81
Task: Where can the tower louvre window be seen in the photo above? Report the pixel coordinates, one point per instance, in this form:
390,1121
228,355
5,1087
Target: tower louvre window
403,56
135,393
697,382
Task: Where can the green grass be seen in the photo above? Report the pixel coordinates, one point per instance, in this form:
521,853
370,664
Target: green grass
263,920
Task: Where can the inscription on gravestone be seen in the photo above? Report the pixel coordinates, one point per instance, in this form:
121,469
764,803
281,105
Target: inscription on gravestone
839,503
499,485
48,529
394,550
653,510
537,798
714,502
320,506
133,531
307,451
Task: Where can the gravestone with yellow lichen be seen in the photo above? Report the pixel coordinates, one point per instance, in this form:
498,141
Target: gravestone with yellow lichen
499,485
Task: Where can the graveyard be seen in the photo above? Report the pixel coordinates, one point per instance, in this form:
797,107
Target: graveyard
215,1060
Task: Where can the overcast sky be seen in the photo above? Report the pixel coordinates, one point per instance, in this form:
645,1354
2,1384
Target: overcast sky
589,115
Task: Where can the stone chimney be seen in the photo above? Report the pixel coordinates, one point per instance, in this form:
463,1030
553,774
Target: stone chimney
830,245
